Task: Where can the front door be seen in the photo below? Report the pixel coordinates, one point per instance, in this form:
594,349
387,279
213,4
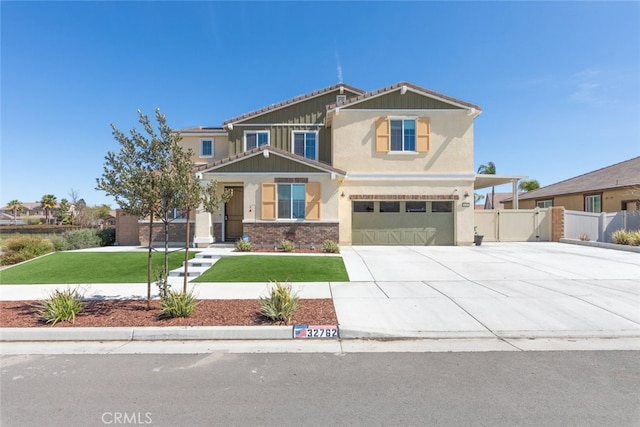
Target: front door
233,215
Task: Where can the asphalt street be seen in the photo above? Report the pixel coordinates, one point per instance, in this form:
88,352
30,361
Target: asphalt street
446,389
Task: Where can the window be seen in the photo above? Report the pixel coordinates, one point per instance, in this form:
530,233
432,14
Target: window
206,148
255,139
441,207
544,203
291,201
341,98
363,206
389,206
305,144
403,135
413,207
593,203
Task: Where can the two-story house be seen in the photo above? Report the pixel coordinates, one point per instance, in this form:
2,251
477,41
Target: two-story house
393,166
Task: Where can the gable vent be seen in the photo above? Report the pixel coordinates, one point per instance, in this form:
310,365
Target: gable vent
341,98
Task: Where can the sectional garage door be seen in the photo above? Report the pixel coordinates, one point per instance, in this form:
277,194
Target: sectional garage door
402,223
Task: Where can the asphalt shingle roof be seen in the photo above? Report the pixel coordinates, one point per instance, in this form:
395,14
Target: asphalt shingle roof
621,174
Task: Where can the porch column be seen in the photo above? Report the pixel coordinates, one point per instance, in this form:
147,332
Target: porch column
514,183
203,237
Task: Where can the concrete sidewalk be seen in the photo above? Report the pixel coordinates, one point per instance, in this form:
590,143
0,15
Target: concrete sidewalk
498,291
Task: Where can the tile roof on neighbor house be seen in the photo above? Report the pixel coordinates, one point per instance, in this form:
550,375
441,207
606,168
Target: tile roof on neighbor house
290,102
401,86
278,151
621,174
201,129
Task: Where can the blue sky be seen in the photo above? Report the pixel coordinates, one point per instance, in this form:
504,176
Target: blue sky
559,82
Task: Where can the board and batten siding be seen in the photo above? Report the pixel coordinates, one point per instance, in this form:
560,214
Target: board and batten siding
302,116
396,101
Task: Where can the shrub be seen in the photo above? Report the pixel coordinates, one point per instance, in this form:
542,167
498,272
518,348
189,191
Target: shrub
621,237
19,249
634,237
280,304
244,245
287,245
584,237
107,236
31,220
81,239
61,306
330,246
177,304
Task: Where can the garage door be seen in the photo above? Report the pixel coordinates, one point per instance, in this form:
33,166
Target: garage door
402,223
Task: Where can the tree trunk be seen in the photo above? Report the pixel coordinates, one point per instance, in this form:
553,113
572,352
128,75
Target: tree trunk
150,261
186,255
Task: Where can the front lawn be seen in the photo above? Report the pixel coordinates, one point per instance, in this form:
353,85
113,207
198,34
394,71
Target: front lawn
282,268
88,267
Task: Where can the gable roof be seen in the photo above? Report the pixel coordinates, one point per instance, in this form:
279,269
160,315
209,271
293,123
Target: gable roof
623,174
292,101
404,86
268,149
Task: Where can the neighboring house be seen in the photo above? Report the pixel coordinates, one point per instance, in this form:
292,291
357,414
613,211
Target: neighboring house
393,166
610,189
30,209
498,200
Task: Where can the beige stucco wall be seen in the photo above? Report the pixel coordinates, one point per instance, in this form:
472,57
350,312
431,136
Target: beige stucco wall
464,219
220,147
451,143
611,200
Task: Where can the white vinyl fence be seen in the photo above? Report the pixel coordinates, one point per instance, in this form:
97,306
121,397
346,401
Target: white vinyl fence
598,226
509,225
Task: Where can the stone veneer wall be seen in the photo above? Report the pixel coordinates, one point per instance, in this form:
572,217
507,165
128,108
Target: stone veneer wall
304,234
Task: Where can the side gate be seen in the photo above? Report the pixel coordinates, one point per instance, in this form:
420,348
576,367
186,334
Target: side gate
508,225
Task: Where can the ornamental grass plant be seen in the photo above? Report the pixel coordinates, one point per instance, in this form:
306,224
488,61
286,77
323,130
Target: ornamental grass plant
281,303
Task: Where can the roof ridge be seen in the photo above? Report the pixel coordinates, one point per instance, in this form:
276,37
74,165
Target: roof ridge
399,85
290,101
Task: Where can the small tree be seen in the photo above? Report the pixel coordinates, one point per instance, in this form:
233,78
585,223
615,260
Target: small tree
131,177
47,203
15,206
63,215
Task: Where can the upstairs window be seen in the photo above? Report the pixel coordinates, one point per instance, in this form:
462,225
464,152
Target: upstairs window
255,139
305,144
403,135
206,148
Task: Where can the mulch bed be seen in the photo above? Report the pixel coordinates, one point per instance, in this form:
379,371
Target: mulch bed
114,313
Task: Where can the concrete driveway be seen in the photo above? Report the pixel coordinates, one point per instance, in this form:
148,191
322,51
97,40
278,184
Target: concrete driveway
504,290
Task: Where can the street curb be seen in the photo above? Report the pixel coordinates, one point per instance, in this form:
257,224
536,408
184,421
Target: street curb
168,333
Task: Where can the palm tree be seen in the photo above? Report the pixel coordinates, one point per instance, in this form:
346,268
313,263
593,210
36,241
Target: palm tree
489,169
529,185
15,206
48,202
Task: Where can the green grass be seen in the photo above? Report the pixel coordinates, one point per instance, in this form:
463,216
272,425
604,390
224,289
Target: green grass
282,268
88,267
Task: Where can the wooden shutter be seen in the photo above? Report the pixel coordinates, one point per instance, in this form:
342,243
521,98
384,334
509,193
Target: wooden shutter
382,135
422,135
313,199
268,205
